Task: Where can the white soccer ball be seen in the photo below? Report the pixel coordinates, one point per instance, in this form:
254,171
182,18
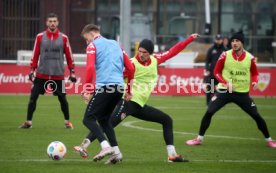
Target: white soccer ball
56,150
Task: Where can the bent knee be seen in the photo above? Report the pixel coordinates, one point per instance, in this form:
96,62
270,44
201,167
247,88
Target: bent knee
84,121
167,120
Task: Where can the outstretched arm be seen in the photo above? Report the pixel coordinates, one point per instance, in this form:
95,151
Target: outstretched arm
162,57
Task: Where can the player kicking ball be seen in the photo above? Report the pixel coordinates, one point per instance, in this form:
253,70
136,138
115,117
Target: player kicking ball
145,77
233,71
105,64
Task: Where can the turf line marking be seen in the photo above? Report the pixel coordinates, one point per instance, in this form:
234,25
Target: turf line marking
237,161
87,160
205,108
130,124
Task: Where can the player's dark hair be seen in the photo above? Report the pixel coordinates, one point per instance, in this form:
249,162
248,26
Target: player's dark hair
50,15
90,27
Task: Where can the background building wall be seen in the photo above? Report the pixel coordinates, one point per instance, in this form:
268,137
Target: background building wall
164,21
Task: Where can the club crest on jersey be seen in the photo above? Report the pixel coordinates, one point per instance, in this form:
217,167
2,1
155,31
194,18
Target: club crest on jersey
264,80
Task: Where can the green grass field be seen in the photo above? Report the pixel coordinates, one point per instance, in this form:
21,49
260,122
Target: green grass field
232,143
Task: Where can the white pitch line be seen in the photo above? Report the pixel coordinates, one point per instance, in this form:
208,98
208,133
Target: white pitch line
129,124
237,161
87,160
204,108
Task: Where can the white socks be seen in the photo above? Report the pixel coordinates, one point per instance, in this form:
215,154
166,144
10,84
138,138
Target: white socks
200,137
105,144
30,122
268,139
116,150
171,150
86,142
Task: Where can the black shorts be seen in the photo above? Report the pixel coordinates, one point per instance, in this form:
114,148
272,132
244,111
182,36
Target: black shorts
223,97
55,87
147,113
103,102
210,80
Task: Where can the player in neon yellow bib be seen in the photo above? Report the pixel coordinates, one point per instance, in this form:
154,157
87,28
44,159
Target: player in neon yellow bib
233,71
145,77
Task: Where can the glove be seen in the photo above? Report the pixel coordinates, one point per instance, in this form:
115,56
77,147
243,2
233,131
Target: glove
72,76
31,76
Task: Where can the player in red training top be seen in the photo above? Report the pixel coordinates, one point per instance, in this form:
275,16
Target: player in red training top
48,76
145,77
233,70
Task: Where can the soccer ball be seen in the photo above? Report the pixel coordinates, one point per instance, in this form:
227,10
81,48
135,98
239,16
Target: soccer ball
56,150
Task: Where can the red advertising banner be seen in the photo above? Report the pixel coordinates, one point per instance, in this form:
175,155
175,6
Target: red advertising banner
189,82
172,81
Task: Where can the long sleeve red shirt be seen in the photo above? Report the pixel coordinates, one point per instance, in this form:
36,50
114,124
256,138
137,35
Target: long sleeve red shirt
220,65
164,56
36,53
91,72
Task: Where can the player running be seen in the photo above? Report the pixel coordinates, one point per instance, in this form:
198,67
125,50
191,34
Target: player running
145,77
233,71
106,59
50,47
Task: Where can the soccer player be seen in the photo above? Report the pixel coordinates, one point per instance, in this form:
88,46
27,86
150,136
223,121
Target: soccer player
233,71
145,77
211,59
50,47
107,60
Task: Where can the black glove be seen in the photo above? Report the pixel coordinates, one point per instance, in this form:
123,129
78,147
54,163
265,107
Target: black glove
31,76
72,76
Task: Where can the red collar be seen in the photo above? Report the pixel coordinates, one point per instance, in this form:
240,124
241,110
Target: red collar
147,63
238,58
98,36
52,35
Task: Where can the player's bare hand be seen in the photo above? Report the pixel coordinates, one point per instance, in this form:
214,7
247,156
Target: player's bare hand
86,97
230,87
128,96
255,85
206,72
195,35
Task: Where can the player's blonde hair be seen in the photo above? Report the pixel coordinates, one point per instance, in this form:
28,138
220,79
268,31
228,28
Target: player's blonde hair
90,27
